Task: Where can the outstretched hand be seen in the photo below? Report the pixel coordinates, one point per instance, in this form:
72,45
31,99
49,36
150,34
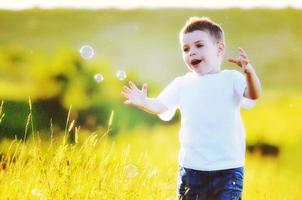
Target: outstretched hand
134,95
242,61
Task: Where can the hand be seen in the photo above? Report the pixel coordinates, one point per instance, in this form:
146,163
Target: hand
242,61
133,95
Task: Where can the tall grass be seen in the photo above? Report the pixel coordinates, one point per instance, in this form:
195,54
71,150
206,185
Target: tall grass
142,163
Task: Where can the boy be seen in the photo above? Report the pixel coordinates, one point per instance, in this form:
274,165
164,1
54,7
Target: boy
212,137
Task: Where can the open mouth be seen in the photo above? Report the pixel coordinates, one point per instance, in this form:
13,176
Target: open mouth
195,62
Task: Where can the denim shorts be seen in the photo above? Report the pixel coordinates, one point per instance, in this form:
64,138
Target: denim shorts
201,185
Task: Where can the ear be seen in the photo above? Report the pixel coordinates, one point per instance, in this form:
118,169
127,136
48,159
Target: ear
221,47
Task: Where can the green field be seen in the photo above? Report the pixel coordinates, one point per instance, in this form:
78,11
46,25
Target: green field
137,159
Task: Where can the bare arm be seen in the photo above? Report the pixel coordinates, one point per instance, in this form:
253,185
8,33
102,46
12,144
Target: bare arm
253,89
138,98
153,106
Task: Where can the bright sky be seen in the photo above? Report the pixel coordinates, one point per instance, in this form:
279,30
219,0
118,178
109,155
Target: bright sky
129,4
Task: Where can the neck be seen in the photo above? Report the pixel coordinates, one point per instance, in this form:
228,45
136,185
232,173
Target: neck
213,71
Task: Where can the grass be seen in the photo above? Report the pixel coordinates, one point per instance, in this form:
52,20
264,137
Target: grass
142,163
92,170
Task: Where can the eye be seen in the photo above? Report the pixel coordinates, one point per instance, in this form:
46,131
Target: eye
186,49
199,45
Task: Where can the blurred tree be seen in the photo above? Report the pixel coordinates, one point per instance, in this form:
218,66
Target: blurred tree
54,84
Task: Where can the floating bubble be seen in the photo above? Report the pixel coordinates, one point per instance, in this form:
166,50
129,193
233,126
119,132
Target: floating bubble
153,173
130,171
87,52
98,77
121,75
36,192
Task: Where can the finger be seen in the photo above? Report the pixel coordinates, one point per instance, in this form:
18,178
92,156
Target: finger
242,51
233,60
242,55
145,87
244,61
132,85
126,89
127,102
124,94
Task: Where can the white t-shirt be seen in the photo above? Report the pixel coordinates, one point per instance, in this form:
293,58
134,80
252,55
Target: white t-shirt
212,136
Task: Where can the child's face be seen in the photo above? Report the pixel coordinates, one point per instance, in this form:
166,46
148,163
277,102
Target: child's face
201,53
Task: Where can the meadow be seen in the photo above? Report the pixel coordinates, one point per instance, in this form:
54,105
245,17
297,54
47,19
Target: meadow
142,163
98,148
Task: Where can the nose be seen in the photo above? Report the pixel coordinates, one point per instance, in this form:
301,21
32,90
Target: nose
192,53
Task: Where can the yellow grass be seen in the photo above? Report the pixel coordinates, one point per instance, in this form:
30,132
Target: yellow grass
142,163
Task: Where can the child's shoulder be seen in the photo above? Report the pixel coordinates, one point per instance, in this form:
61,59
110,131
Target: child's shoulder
233,74
230,71
183,77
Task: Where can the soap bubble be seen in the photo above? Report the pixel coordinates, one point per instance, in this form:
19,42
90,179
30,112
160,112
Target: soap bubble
130,171
121,75
152,173
87,52
36,192
98,77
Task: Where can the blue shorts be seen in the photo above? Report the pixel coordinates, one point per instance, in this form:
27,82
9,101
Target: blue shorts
201,185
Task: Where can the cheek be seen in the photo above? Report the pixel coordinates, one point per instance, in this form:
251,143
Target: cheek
211,53
185,57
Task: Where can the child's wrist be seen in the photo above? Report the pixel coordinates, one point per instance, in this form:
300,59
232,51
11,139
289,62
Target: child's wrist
143,103
249,65
249,69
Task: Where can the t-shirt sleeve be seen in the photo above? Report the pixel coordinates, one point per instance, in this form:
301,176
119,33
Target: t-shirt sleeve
239,88
170,98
